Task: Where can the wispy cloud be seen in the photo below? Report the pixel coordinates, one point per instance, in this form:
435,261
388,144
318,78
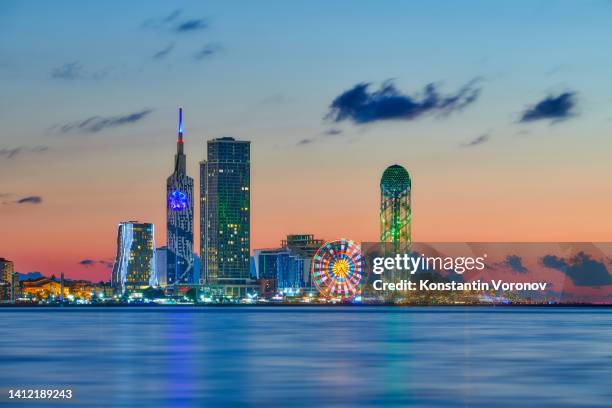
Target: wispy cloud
305,141
172,16
207,51
477,141
15,151
163,53
195,24
88,263
95,124
29,200
174,23
333,132
361,106
163,22
553,108
71,71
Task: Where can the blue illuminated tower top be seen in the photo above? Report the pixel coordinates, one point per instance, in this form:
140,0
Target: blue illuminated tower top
180,161
180,126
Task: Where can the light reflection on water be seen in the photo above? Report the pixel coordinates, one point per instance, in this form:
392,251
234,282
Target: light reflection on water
300,356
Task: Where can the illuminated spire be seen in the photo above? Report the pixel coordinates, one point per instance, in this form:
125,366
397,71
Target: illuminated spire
180,160
180,126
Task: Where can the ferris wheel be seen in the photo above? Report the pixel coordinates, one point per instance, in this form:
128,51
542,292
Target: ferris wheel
337,269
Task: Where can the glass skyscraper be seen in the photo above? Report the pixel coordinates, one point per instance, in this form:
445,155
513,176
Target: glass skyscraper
135,266
179,217
8,280
225,208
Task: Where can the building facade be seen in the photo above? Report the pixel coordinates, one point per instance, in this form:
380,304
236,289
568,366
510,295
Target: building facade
225,221
8,280
179,218
135,265
161,255
288,267
395,208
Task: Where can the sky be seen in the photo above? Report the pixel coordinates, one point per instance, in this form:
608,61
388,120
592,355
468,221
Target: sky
500,111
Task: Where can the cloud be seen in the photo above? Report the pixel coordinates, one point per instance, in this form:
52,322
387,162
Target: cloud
73,71
91,262
172,23
95,124
29,200
157,23
361,106
333,132
554,108
581,269
515,263
163,53
172,16
15,151
195,24
207,51
477,141
305,141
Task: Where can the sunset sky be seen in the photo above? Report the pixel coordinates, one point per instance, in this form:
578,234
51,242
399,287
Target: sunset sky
511,142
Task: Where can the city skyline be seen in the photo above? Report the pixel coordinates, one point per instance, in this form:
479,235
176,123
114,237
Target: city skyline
515,123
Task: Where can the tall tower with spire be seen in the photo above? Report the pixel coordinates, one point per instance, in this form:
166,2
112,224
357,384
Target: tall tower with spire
179,215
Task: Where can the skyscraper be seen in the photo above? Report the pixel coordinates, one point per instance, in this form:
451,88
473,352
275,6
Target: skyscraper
7,280
395,207
179,216
135,266
225,214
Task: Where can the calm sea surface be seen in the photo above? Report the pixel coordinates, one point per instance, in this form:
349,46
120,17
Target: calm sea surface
300,356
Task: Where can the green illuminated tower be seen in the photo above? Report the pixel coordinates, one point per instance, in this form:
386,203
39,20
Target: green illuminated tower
225,215
395,208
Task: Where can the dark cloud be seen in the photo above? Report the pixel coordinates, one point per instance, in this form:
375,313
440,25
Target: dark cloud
554,108
581,269
361,106
73,70
91,262
29,200
477,141
12,152
195,24
96,124
207,51
163,53
515,263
